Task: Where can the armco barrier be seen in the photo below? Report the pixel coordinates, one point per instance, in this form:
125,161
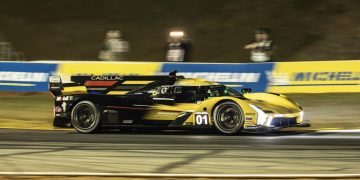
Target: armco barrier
282,77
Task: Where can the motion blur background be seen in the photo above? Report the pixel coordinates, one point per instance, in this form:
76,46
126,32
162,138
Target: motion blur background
64,35
317,32
74,29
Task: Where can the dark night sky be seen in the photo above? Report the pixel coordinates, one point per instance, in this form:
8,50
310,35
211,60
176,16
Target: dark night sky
74,29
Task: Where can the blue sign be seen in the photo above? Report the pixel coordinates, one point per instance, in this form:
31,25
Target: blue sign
236,76
25,77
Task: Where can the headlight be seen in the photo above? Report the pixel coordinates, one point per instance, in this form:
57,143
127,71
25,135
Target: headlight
261,116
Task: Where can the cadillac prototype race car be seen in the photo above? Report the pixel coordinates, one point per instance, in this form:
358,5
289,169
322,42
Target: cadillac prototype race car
94,102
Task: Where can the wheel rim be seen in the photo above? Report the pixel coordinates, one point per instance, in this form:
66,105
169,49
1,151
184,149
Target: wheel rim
85,116
229,117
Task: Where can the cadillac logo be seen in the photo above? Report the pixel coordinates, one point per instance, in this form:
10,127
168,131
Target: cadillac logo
107,78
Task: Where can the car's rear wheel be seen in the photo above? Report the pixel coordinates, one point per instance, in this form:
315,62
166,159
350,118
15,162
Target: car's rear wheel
85,117
228,118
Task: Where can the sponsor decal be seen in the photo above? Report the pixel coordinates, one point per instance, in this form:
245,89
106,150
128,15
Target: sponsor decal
326,76
223,76
64,98
107,78
164,89
289,78
250,114
315,77
67,98
251,127
25,76
63,105
128,121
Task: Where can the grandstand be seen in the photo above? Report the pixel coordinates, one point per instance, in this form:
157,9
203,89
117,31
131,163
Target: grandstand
7,53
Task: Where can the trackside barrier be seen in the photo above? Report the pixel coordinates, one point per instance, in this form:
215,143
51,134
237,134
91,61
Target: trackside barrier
315,77
281,77
25,77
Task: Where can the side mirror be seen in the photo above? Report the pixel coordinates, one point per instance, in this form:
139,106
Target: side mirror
246,90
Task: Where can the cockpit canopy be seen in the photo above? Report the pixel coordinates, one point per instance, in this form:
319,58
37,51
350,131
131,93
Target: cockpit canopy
191,94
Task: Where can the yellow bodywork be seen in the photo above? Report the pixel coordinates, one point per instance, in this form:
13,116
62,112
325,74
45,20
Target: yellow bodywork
278,106
275,105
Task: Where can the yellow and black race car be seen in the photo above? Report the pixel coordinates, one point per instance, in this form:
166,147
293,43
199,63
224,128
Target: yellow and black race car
94,102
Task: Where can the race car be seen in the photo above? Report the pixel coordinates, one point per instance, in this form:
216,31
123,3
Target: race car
90,103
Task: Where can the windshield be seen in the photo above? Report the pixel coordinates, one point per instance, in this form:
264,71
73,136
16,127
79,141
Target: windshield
192,94
218,91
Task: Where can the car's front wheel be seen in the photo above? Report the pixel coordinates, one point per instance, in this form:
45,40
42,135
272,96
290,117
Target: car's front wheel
228,118
85,117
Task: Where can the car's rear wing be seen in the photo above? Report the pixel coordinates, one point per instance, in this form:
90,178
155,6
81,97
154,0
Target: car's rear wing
103,84
55,85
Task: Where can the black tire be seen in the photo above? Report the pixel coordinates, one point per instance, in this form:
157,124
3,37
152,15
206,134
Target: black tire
228,118
85,117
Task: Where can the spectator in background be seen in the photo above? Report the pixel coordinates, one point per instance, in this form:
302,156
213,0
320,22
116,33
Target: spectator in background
114,48
178,47
263,48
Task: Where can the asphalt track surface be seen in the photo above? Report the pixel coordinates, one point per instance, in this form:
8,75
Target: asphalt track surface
180,152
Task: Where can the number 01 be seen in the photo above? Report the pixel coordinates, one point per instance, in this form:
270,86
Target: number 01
201,119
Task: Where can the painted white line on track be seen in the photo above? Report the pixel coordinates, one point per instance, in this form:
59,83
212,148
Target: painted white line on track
181,175
341,131
315,137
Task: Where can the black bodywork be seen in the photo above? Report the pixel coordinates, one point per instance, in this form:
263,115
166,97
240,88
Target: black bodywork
116,110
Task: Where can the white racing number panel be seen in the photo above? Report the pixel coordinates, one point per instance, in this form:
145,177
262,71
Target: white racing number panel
202,119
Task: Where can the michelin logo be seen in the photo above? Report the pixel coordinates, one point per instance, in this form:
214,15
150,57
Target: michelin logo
224,76
284,78
327,76
23,76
